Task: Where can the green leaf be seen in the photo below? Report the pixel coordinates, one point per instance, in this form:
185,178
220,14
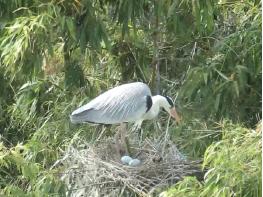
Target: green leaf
236,88
205,77
221,74
71,28
217,102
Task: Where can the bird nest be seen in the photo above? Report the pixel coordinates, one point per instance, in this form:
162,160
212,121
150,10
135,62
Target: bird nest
96,170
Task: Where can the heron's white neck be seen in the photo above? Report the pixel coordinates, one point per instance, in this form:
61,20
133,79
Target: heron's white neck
158,101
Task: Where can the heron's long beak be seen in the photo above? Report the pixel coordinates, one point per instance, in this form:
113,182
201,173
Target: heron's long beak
175,115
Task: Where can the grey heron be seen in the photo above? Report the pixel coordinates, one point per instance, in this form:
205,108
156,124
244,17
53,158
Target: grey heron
132,102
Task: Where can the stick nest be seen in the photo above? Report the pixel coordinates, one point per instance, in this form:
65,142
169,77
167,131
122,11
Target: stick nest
96,170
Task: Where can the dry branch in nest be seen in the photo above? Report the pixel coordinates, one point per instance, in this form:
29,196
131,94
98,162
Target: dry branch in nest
96,170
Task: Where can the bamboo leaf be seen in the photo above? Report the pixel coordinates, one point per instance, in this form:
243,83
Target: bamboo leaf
222,75
217,102
71,28
236,88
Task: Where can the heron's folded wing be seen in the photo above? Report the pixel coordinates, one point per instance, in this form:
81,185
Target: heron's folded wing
124,103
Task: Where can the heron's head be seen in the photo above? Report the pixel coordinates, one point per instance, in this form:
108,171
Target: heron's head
168,105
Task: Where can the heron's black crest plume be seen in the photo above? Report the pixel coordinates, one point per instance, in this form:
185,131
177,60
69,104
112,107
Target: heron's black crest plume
170,101
149,103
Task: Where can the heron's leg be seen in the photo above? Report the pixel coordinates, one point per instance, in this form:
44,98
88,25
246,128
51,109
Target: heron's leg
124,138
118,146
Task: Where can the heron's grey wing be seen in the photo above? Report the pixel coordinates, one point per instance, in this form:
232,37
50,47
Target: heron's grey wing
125,103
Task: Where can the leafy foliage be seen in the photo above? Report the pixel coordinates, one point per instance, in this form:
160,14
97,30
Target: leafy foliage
233,166
57,55
227,81
22,44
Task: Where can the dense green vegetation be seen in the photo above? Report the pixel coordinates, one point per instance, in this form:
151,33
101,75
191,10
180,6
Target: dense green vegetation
232,172
57,55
